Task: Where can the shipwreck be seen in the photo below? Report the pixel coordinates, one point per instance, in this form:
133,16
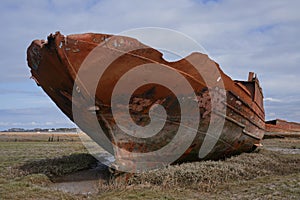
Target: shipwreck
234,108
280,128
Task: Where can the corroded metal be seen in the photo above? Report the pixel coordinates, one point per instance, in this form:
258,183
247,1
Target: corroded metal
54,65
282,128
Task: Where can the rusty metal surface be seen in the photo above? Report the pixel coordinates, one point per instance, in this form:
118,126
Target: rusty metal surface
54,65
282,125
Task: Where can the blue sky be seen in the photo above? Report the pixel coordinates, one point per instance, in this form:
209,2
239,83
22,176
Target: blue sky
241,35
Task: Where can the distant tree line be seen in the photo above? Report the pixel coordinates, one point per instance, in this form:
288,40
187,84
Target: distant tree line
41,130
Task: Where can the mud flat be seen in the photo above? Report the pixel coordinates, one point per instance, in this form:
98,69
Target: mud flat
270,135
38,169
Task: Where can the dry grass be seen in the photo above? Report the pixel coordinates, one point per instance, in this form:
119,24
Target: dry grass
31,151
260,175
38,137
205,176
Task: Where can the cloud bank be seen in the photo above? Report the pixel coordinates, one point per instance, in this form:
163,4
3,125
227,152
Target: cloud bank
242,36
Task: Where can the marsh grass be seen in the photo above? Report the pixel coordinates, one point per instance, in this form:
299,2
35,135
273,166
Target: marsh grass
262,174
24,171
205,176
28,167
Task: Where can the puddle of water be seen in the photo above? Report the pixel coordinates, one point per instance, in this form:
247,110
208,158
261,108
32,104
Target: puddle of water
284,150
82,182
77,187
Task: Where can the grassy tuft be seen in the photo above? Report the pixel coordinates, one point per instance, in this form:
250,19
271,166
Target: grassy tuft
205,176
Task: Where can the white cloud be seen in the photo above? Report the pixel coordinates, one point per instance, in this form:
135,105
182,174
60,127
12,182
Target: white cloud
272,99
242,36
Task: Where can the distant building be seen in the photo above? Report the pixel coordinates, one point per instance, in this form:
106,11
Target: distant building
16,130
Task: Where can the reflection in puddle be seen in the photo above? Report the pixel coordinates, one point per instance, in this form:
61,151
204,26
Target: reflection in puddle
82,182
78,187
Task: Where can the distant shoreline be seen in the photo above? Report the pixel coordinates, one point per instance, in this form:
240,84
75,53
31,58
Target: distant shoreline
41,133
42,130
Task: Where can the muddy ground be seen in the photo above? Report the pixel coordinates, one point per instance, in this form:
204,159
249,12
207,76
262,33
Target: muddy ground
32,167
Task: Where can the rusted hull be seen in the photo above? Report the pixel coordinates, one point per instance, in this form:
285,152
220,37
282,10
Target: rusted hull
54,66
281,128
